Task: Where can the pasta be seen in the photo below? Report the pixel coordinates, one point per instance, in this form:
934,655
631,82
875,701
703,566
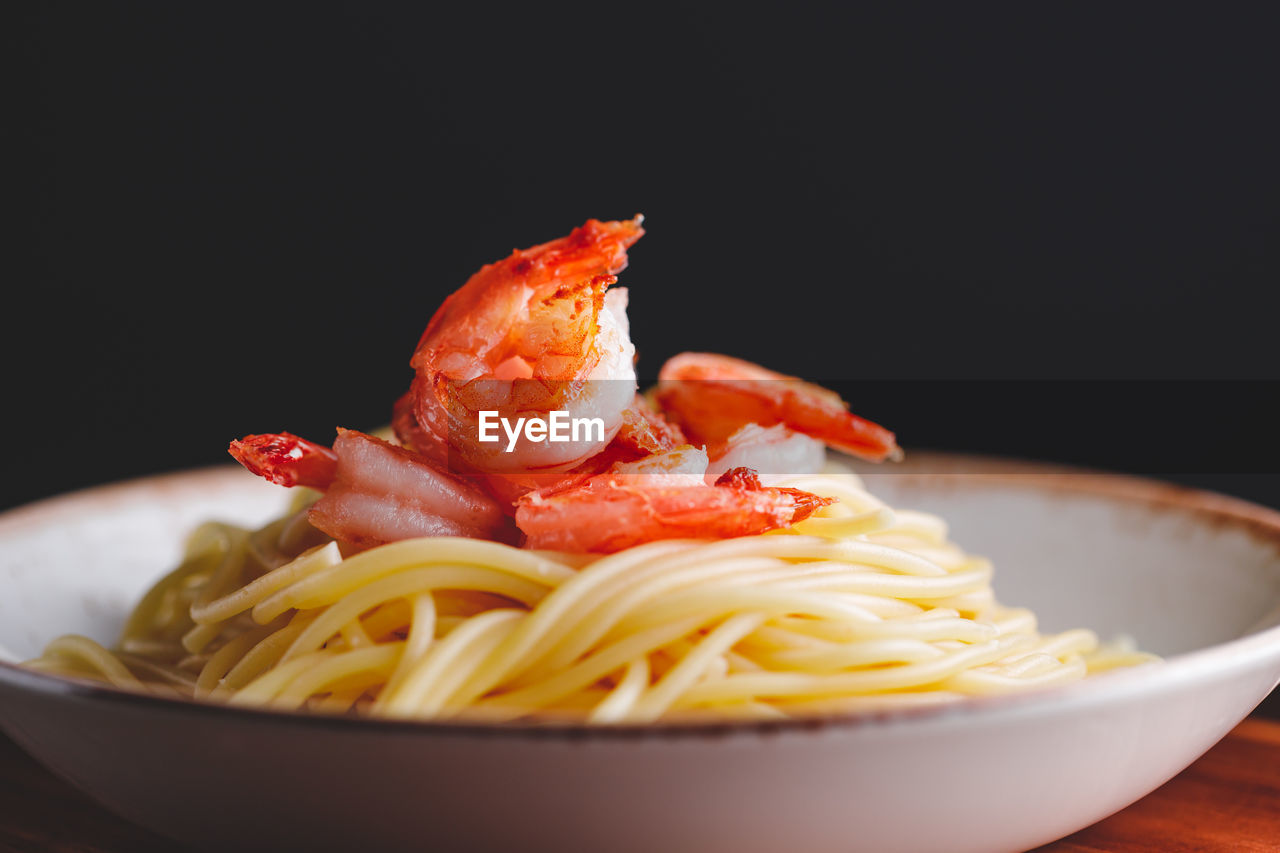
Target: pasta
658,577
858,607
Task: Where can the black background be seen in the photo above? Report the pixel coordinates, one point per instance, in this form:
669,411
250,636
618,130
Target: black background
1039,231
1046,232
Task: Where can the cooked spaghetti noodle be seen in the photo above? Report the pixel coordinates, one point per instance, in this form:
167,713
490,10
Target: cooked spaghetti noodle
860,606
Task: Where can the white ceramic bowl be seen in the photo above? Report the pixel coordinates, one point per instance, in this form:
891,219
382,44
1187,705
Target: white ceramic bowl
1193,576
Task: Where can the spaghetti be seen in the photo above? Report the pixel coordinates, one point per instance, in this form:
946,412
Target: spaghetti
858,607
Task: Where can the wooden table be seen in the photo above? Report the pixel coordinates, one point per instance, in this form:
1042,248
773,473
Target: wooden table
1229,800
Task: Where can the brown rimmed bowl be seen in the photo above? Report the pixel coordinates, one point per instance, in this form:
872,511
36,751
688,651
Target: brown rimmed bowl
1192,576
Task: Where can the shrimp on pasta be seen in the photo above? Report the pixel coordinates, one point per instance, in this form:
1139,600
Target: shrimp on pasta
544,331
698,557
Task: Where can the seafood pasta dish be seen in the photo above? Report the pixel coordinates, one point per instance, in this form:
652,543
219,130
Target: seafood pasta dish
533,539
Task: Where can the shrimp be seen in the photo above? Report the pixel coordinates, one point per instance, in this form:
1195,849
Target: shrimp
536,332
286,460
662,496
410,433
768,450
374,492
645,430
712,396
546,331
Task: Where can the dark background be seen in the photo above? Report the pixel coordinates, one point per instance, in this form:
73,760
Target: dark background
1047,232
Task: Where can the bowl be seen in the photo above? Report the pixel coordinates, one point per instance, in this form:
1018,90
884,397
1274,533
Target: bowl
1192,576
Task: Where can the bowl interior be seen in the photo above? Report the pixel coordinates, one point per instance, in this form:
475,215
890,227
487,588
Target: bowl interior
1161,566
79,563
1174,569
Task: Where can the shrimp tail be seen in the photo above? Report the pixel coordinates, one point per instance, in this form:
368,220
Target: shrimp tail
287,460
804,504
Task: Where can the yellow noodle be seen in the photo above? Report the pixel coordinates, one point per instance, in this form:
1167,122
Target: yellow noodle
624,696
861,607
684,674
247,596
472,639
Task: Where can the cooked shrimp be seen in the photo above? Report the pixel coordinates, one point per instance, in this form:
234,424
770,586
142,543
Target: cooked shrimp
536,332
287,460
645,430
374,491
663,496
713,396
540,333
383,493
768,450
410,434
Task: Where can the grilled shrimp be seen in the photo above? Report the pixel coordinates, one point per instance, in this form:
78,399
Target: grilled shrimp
645,430
663,496
713,396
545,331
374,492
537,332
287,460
768,450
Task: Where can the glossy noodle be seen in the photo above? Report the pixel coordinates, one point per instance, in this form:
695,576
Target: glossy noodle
858,607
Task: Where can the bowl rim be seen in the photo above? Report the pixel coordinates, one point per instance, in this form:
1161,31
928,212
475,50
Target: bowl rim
1221,660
